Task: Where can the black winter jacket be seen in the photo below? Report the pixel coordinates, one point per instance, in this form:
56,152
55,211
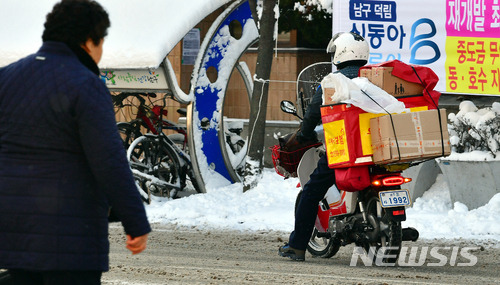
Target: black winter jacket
62,165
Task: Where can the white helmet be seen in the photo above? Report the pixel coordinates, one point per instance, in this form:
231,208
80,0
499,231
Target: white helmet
347,47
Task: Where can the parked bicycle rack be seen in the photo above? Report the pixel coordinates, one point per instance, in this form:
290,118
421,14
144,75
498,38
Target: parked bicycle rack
221,49
207,143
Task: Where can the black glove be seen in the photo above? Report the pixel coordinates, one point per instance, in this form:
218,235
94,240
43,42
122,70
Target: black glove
294,141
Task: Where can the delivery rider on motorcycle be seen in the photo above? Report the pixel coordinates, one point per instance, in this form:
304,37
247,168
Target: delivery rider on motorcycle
349,53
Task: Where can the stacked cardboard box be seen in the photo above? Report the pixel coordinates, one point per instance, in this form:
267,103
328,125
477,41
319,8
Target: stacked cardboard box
397,87
327,95
354,137
409,136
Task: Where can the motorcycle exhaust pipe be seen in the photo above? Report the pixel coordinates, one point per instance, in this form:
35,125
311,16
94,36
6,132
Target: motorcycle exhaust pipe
410,234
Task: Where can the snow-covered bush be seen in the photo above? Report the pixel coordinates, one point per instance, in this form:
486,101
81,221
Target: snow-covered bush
475,129
312,20
306,6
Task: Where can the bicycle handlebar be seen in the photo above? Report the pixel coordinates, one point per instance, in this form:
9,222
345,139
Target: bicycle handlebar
118,99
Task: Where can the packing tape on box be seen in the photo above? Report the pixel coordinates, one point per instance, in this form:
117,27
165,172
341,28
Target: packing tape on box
418,144
406,144
418,131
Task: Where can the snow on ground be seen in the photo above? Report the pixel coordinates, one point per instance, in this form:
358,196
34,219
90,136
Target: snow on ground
270,206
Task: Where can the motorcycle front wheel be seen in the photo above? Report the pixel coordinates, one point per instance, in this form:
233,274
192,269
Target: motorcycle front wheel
320,246
324,247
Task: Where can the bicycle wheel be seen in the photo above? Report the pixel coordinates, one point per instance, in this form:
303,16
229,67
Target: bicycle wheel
155,167
188,177
193,181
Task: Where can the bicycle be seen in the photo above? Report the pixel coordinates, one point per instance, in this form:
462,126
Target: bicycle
148,118
160,165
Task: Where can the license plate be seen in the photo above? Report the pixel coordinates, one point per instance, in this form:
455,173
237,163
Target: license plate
394,198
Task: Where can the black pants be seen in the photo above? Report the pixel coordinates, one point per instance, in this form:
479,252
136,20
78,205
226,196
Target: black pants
313,192
25,277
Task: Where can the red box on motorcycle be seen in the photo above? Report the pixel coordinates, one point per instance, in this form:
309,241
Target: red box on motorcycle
347,127
347,138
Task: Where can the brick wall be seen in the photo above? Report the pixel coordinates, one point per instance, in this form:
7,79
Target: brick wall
285,68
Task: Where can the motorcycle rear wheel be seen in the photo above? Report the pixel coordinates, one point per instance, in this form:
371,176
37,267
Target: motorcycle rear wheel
320,246
390,235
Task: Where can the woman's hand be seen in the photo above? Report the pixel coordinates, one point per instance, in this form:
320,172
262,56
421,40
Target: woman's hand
138,244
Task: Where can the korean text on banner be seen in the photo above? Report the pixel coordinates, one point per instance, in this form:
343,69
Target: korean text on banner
458,39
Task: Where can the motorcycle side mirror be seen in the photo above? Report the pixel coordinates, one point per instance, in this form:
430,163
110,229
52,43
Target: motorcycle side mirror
288,107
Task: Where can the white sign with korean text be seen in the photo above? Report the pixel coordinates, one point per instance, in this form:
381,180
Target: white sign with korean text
458,39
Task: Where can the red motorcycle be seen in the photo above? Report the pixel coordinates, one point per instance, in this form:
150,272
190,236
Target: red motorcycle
370,218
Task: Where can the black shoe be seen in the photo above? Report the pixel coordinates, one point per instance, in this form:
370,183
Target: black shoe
410,234
295,254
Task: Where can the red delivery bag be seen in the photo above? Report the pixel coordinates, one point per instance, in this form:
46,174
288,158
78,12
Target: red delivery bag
347,135
352,179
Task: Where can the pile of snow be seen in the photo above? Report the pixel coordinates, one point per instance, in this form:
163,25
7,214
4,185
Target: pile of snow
270,207
435,216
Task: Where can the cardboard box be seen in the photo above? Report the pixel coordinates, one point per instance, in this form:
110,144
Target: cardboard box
397,87
409,136
367,72
327,96
347,134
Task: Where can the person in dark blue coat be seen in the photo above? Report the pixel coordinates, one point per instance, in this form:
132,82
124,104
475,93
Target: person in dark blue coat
62,163
349,53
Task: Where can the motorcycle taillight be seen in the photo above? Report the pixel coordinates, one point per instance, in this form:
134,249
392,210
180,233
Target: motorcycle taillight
398,212
390,181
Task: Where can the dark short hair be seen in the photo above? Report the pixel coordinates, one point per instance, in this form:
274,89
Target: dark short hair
74,21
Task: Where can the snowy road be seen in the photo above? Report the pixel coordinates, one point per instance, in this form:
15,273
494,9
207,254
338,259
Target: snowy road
191,256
